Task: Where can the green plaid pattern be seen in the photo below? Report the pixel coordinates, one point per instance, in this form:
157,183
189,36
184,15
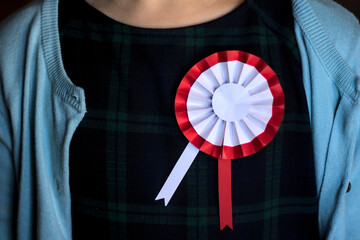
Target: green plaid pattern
129,140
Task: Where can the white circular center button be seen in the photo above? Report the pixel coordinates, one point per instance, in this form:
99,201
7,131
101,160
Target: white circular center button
231,102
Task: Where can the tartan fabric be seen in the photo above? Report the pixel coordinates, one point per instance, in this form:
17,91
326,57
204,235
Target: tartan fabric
128,142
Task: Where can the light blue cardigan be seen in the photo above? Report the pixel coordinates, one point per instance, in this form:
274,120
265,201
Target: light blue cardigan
40,109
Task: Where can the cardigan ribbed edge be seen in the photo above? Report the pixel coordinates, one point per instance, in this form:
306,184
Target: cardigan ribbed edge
52,52
331,60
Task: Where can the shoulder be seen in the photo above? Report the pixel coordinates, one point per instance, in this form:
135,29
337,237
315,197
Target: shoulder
19,34
20,37
341,26
16,30
20,22
334,17
331,11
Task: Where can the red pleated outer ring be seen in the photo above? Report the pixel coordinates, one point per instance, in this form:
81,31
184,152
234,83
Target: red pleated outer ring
241,150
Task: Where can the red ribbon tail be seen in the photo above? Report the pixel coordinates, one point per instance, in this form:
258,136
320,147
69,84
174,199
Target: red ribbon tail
225,199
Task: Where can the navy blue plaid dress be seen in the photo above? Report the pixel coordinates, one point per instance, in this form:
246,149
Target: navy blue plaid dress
128,142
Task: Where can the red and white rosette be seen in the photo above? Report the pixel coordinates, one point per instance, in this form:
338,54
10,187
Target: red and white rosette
229,105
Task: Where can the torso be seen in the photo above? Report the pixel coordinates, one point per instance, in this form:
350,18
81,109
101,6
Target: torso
129,140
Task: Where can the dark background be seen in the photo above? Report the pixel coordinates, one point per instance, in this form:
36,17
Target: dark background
8,6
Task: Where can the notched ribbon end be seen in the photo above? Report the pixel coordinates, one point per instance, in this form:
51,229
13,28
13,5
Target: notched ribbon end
160,196
223,225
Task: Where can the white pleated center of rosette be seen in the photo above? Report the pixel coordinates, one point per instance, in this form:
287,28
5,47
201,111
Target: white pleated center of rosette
230,104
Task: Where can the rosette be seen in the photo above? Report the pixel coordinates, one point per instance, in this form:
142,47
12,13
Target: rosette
229,105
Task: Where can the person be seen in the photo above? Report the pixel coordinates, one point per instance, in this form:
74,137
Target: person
115,149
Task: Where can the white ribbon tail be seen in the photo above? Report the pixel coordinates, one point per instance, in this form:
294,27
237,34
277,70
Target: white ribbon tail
178,172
